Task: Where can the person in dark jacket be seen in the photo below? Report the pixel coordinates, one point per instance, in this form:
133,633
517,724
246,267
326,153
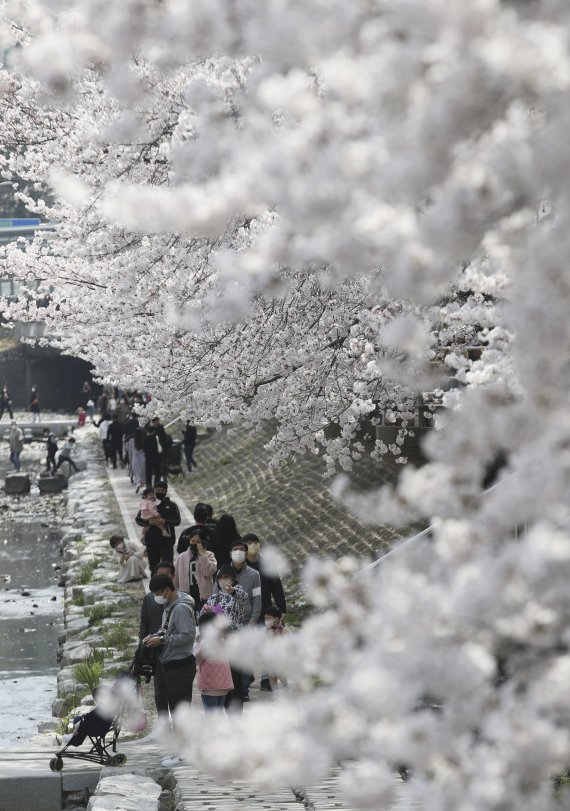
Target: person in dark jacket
165,444
151,456
160,547
200,519
271,591
51,448
35,404
6,403
189,441
223,537
151,620
115,440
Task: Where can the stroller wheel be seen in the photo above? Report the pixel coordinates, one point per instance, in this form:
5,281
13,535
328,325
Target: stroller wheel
56,764
52,764
119,760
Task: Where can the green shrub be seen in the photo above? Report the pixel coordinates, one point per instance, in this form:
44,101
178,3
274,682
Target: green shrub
117,636
78,600
86,573
89,672
99,612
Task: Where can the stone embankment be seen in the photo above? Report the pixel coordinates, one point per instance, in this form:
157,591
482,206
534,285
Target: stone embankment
97,642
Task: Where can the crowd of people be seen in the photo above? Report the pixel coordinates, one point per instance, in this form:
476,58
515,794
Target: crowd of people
205,571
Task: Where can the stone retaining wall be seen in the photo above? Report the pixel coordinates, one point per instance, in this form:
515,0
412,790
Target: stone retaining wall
88,576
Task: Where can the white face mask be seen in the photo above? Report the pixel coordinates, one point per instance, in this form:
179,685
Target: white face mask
158,598
269,623
224,584
238,556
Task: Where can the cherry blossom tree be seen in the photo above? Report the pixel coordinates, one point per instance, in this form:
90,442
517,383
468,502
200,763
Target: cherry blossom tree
301,211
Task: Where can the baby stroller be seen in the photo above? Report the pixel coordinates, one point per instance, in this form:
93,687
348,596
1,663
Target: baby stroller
96,727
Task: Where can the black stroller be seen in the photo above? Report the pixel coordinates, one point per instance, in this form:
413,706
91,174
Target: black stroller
96,727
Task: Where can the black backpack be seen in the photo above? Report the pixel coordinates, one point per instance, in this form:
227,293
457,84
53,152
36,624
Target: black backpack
143,665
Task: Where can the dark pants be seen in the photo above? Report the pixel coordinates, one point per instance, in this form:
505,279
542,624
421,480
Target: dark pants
160,692
189,454
234,699
179,681
116,449
213,702
9,409
158,547
50,461
63,459
152,469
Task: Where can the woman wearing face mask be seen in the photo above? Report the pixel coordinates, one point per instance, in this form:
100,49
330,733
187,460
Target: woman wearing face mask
131,559
195,569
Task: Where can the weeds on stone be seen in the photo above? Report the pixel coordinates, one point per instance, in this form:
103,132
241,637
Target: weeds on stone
118,636
99,613
89,672
79,599
86,573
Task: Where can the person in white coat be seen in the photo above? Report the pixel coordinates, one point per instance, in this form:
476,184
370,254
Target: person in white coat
132,565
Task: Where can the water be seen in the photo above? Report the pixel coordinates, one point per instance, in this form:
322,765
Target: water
31,608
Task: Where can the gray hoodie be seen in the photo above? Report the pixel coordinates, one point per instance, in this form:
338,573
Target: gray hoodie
180,623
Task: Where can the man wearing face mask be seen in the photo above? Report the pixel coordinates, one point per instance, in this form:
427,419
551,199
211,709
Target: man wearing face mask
151,620
271,590
271,586
175,640
162,546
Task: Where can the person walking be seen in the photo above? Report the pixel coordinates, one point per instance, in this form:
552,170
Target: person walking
189,441
175,639
150,622
16,443
115,440
35,404
151,456
51,450
158,546
6,402
65,455
136,453
164,445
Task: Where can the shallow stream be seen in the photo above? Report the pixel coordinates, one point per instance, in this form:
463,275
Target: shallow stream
31,613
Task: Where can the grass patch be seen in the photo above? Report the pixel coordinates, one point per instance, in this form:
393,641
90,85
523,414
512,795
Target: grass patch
86,573
78,600
89,672
118,636
99,613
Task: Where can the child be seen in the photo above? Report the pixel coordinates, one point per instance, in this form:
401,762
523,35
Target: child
214,676
229,599
81,417
149,511
273,619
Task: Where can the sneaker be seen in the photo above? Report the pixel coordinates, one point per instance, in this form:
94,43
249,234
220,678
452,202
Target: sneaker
173,761
265,685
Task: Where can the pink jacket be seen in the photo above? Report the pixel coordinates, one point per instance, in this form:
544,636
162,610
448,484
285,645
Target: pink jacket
206,565
214,675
